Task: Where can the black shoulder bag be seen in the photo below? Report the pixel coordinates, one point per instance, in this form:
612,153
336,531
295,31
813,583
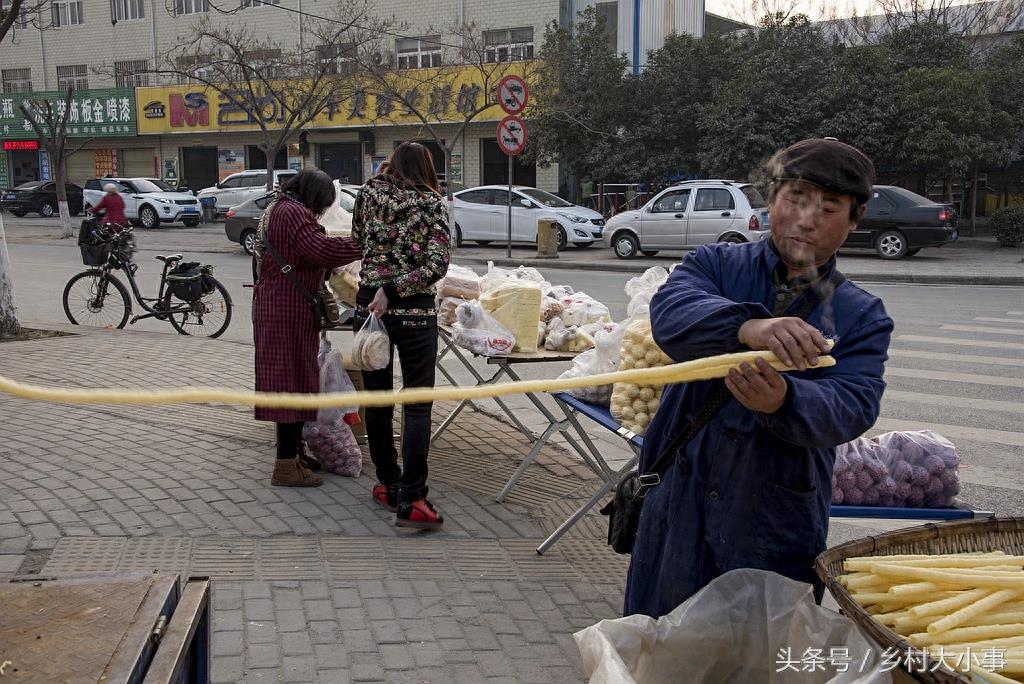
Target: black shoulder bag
323,305
624,509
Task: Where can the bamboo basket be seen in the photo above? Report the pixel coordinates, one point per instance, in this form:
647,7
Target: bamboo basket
990,534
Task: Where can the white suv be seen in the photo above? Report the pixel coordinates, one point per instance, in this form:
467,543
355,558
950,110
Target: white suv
242,186
690,214
147,201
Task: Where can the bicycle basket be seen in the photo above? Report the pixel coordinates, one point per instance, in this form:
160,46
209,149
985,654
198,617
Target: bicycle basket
185,281
95,250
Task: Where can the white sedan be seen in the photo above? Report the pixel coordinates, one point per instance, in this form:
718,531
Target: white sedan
481,215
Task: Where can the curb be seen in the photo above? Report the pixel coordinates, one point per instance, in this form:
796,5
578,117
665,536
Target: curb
638,266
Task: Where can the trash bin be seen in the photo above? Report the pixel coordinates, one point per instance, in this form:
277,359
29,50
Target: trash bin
547,239
125,628
209,205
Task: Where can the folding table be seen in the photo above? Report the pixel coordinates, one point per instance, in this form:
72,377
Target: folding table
504,369
573,407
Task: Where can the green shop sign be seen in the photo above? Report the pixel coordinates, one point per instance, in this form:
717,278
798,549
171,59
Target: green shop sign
107,112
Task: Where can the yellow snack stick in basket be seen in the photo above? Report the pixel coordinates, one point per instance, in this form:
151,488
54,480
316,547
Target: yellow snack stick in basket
979,607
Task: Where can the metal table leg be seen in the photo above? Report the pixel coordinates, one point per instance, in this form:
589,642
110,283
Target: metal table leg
582,511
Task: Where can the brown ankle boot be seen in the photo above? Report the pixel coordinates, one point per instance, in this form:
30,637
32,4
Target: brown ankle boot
289,472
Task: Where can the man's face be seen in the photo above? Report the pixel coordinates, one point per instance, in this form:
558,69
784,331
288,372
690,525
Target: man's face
809,224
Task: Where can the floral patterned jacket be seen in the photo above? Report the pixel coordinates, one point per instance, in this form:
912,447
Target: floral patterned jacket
404,237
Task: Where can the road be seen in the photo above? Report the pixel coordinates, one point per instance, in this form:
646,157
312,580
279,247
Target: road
957,359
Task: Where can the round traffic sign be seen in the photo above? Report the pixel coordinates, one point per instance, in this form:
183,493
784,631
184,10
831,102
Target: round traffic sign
511,135
513,94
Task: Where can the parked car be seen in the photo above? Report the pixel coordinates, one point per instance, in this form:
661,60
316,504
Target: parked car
690,214
898,223
147,201
242,221
40,196
481,215
242,186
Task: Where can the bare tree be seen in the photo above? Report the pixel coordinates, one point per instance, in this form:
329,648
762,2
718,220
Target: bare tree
280,88
20,14
446,95
49,120
976,23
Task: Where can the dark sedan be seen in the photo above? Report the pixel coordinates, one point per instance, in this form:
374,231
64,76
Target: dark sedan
40,196
898,223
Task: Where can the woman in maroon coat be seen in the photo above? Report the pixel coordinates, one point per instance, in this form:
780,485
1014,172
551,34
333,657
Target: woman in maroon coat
286,341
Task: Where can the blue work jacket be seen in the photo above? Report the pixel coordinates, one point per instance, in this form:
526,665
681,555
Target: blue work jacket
750,490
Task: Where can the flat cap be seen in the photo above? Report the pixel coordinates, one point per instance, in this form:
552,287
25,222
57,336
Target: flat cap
827,163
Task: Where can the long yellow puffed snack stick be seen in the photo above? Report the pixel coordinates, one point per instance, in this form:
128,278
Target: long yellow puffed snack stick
996,580
690,371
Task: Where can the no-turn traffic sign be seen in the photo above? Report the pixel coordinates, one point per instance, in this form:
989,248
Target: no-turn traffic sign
511,135
513,94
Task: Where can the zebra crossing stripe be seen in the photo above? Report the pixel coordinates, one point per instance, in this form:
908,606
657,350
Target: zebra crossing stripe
981,329
995,380
1009,346
953,432
956,358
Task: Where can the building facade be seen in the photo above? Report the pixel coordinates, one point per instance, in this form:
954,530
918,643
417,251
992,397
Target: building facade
102,44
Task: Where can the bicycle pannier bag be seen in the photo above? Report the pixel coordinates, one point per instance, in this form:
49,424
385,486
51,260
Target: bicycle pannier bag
185,281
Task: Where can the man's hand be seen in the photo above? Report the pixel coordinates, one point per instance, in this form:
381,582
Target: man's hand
759,388
379,306
797,343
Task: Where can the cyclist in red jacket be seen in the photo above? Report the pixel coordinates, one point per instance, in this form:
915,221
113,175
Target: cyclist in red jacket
113,205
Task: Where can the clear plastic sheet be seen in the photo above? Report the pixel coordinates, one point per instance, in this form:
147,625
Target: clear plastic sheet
743,627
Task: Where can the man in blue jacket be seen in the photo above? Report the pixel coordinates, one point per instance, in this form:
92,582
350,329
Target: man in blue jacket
752,488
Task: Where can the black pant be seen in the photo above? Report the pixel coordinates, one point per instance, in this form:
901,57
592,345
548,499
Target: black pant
415,338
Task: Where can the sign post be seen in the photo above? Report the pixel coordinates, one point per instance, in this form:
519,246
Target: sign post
513,94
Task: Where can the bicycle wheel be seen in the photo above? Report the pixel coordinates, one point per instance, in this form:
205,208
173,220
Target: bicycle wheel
97,298
208,316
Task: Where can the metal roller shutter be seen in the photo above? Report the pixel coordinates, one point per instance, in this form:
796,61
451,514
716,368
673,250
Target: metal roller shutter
81,167
138,162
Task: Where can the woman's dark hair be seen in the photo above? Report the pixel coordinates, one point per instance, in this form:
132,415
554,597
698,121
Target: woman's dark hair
313,188
411,166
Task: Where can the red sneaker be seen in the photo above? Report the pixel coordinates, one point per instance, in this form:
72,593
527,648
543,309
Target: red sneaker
420,515
386,496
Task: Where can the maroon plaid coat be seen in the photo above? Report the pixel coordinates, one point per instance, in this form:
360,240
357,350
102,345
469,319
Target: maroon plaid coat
286,341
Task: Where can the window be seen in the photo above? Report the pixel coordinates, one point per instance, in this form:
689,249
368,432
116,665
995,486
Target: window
264,201
266,62
191,6
713,199
257,3
73,75
17,80
609,14
476,196
338,59
22,20
545,198
258,181
235,182
199,66
418,53
131,74
508,45
67,13
753,196
672,201
123,10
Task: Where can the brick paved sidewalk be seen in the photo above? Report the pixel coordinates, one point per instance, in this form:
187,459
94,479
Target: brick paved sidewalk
310,585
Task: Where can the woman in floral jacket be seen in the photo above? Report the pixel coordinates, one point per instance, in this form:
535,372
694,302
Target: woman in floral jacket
400,222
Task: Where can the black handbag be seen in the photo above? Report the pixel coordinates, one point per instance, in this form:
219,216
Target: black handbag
323,305
627,502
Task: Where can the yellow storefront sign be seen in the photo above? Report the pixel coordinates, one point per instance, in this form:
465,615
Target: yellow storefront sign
440,96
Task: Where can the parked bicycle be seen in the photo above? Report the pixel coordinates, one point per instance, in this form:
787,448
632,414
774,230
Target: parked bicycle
189,297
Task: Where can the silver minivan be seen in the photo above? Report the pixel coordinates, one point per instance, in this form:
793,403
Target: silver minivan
243,186
690,214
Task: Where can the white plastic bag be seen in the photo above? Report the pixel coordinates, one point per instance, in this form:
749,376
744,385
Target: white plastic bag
641,290
495,276
633,405
459,282
344,282
603,358
479,332
739,628
371,349
582,309
904,469
330,438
